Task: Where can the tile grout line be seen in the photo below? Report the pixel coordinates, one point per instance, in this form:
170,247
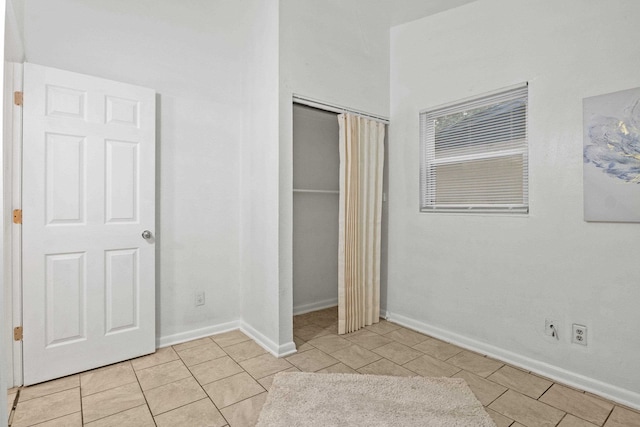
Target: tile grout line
201,386
218,409
108,389
13,407
509,388
53,392
52,419
206,361
211,382
162,385
487,377
258,379
339,362
498,397
243,370
157,364
190,376
443,361
609,416
144,396
92,394
577,416
81,405
107,416
545,391
46,395
563,417
187,404
241,400
189,348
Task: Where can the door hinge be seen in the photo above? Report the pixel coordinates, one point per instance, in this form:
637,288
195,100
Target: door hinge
17,333
18,98
17,216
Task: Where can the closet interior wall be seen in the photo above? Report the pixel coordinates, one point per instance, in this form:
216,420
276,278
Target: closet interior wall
316,162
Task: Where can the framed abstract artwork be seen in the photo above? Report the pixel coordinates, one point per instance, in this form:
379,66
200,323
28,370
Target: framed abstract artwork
611,154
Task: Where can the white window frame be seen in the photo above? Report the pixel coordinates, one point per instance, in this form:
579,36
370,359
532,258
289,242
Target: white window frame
428,159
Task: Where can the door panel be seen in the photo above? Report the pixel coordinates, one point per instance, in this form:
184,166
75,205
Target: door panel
65,172
122,181
88,193
65,291
121,285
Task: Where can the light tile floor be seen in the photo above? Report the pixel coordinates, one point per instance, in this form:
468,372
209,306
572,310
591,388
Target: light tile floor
223,380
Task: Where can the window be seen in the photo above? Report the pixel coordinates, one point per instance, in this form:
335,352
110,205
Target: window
474,155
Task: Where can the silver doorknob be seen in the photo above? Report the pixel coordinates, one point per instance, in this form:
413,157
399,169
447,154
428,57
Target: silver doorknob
146,234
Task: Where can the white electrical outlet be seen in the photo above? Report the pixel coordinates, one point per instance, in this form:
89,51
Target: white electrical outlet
551,328
199,298
579,334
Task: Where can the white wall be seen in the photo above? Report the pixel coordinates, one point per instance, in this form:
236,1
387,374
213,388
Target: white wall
489,281
261,293
13,46
336,52
225,71
193,54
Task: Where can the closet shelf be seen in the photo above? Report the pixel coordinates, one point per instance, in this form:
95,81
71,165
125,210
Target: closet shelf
302,190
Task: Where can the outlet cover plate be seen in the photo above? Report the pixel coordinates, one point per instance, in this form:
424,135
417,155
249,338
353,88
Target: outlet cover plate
579,334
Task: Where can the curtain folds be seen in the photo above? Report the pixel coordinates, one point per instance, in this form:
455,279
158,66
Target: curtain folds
361,169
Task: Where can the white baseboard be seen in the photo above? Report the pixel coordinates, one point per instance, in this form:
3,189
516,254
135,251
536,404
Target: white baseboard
573,379
315,306
181,337
264,342
277,350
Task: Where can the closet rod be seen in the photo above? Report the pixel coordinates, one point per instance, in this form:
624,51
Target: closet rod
300,190
303,100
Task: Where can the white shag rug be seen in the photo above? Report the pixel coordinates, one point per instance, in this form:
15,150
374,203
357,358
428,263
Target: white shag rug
306,399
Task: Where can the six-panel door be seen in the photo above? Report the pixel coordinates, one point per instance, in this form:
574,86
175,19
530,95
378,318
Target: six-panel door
88,195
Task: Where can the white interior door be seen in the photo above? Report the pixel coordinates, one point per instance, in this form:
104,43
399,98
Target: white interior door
88,196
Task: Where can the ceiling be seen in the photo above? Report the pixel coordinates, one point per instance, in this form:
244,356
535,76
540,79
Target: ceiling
398,11
402,11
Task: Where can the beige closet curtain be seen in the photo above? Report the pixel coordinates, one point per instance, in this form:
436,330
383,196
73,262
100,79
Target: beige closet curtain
361,167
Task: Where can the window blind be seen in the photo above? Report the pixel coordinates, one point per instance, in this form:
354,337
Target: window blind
475,155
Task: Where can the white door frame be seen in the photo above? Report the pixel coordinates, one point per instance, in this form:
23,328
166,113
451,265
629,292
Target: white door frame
13,187
16,234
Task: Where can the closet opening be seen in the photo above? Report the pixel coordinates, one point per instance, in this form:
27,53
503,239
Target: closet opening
316,196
